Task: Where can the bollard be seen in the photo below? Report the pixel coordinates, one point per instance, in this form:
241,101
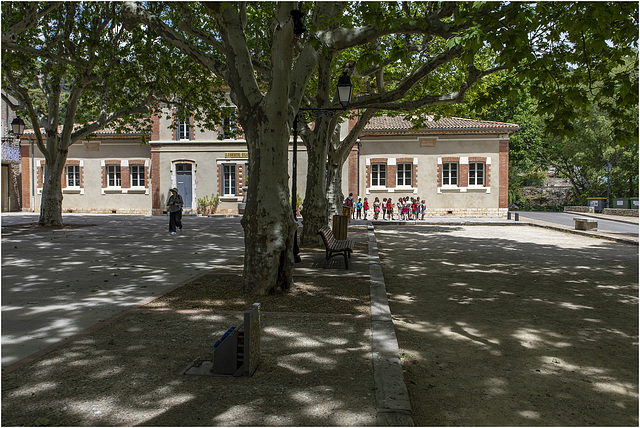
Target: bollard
517,216
508,215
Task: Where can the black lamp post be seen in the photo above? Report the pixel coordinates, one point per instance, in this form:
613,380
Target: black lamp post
608,167
345,91
17,126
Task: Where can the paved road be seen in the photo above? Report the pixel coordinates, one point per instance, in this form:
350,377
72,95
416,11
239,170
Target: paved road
617,226
56,283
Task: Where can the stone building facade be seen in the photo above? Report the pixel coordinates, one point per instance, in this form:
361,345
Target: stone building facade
459,166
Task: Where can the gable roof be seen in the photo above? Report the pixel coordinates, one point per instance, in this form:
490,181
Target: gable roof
107,130
445,125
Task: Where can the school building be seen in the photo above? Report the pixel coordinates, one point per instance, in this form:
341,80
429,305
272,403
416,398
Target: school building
459,166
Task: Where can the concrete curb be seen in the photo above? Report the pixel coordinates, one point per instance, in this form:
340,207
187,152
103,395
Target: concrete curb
392,396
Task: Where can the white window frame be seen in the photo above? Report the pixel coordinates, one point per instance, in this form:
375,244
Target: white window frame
447,174
473,174
379,174
117,176
140,174
76,176
183,130
233,171
404,175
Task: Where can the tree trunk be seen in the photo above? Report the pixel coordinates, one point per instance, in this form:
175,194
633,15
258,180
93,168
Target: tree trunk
268,219
315,212
51,203
335,197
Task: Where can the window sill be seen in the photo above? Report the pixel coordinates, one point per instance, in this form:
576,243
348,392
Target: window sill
455,189
73,191
112,190
399,189
137,190
230,198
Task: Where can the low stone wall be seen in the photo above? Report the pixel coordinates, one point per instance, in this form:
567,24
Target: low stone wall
579,209
620,211
107,211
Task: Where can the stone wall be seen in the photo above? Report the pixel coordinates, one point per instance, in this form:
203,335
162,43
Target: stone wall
546,195
579,209
620,211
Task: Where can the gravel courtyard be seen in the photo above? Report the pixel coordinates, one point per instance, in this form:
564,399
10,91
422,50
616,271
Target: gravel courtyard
512,326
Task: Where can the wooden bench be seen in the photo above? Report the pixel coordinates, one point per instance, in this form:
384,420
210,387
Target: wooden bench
335,247
581,223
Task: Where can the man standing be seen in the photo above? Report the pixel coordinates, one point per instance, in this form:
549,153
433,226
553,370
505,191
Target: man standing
174,206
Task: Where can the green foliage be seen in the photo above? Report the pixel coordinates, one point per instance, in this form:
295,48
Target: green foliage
210,201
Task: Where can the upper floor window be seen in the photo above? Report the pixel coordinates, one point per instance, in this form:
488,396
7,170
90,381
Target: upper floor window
476,173
137,175
450,174
73,175
228,129
113,176
404,174
378,174
183,131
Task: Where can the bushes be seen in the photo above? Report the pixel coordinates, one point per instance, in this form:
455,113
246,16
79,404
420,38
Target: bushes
207,205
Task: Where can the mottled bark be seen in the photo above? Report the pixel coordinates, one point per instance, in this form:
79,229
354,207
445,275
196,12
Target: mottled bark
268,220
51,202
315,212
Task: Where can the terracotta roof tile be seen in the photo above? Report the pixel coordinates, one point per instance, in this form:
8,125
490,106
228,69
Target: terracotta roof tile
109,130
397,124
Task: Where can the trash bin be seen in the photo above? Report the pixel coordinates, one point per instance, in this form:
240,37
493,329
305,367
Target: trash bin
340,226
598,204
620,203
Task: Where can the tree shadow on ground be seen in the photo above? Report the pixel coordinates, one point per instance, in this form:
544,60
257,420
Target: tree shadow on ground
514,326
58,282
129,375
315,369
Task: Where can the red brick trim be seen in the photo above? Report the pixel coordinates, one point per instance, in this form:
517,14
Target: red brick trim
378,161
105,172
453,159
352,171
145,169
154,178
392,176
463,175
155,127
26,177
64,173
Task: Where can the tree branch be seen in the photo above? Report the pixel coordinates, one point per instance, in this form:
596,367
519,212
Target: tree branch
31,20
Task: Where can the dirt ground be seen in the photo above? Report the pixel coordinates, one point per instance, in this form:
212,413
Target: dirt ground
315,365
526,327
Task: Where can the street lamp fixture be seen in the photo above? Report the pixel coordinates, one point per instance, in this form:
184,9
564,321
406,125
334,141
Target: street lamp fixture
345,91
608,167
17,126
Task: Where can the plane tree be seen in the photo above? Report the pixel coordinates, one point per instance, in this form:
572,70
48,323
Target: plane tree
273,60
73,69
540,47
261,52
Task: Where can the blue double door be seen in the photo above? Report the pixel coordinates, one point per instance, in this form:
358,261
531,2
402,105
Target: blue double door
184,183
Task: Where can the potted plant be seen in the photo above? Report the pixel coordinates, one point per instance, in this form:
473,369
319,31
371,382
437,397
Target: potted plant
207,205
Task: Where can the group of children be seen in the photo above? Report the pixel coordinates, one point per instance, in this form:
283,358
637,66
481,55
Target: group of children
407,208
